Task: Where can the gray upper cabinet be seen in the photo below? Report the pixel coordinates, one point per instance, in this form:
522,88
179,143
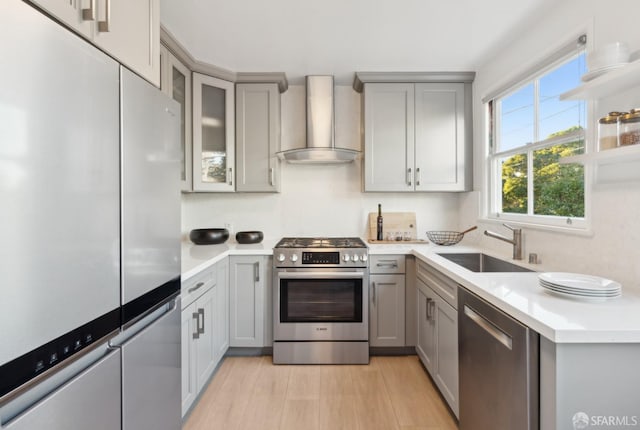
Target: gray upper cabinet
442,141
176,83
213,134
388,137
257,137
417,136
127,30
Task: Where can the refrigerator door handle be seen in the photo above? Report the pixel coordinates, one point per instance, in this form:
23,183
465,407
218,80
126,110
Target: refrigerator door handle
28,398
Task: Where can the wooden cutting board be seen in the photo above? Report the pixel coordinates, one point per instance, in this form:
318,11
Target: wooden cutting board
393,222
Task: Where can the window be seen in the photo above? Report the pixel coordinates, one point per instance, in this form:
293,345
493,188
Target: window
530,131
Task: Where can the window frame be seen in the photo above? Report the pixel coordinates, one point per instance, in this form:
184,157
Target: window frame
492,138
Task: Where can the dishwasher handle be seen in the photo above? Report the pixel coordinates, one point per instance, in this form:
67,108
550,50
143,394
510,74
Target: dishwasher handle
489,327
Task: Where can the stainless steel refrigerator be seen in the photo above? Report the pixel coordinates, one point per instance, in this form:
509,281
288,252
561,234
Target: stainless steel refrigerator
90,231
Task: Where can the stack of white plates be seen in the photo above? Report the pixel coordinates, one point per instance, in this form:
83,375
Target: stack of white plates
579,285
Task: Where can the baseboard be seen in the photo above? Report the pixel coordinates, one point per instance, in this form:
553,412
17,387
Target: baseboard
249,351
392,350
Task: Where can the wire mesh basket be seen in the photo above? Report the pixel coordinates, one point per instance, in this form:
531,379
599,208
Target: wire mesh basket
447,238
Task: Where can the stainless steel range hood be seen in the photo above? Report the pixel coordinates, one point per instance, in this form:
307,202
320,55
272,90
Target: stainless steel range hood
321,146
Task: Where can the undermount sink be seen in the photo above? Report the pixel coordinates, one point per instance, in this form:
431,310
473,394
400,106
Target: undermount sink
478,262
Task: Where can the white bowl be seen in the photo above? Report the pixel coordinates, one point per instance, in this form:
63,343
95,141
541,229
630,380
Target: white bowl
609,55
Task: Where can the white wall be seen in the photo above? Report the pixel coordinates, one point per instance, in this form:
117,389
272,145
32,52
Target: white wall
316,200
613,248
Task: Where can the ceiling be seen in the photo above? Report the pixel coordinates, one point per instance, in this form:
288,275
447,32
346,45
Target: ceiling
340,37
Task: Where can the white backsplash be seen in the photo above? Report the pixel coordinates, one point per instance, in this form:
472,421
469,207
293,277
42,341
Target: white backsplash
315,201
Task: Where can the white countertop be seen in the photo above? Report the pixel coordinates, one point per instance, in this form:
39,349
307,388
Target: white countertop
559,319
196,258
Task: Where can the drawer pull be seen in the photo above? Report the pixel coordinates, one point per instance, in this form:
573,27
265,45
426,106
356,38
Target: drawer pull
392,264
197,287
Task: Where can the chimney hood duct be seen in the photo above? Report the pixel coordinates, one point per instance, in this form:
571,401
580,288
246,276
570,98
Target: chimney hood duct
321,146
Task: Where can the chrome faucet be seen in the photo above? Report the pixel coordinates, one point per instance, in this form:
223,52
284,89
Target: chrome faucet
516,241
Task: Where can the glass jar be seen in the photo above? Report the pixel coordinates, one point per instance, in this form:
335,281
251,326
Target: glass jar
608,131
629,128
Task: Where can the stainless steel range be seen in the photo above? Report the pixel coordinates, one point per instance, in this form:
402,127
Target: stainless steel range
320,301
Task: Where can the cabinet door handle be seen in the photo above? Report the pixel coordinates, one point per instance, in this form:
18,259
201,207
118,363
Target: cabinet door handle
417,176
373,292
256,271
89,14
272,180
196,316
230,175
201,313
103,26
429,301
433,308
409,176
197,287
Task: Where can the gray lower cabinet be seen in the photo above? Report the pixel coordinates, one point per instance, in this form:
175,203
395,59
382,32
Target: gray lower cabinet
221,329
204,328
247,305
417,136
387,301
437,337
257,137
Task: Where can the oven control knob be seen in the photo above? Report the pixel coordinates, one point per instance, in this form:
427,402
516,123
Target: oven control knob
346,258
294,258
355,258
281,258
364,257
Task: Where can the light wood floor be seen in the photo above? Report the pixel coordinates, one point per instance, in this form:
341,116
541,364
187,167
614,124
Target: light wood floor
252,393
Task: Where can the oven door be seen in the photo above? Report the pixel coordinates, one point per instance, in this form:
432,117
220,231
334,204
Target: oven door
312,305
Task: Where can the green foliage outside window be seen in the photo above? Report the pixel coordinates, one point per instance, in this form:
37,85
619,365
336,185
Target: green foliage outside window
558,189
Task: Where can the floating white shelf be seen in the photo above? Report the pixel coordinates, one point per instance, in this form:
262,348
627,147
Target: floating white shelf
611,166
608,84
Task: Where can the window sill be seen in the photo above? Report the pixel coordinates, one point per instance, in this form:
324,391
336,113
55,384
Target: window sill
584,231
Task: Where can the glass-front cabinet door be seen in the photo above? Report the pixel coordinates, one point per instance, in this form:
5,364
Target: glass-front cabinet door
176,82
213,134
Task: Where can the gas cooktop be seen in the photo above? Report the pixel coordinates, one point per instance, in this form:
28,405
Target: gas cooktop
321,242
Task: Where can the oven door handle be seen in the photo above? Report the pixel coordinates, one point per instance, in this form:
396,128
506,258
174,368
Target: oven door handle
321,275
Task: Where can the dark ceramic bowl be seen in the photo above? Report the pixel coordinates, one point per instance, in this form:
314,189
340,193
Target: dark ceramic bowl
209,236
249,237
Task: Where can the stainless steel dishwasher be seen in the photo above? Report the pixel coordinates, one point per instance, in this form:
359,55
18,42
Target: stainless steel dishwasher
498,363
